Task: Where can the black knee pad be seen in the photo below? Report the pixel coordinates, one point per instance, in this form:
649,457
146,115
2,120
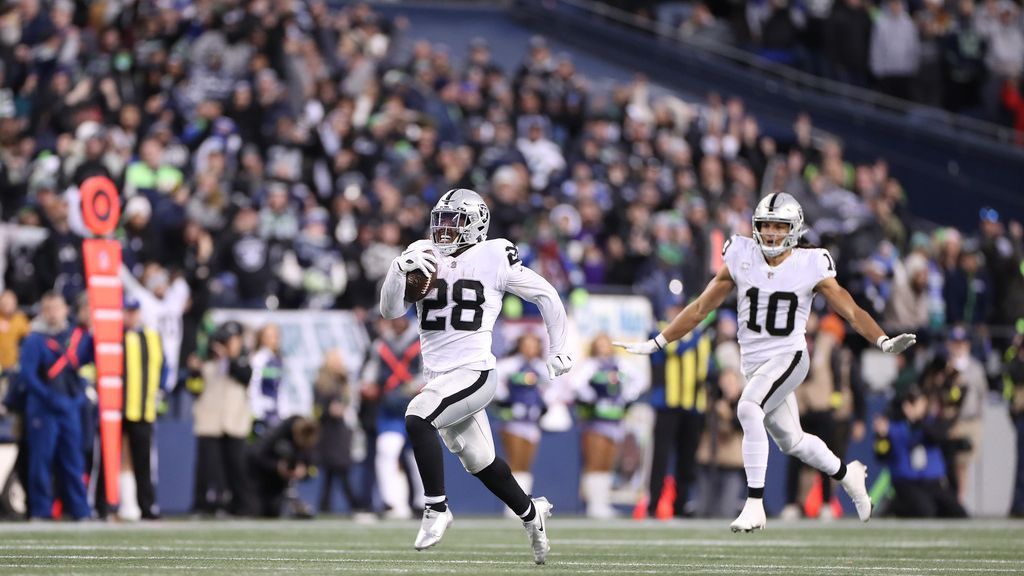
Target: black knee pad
417,426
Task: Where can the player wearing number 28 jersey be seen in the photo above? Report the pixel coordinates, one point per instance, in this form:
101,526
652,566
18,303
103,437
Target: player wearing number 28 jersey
456,319
776,282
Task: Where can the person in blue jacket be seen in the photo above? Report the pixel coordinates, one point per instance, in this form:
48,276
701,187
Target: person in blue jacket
50,358
911,446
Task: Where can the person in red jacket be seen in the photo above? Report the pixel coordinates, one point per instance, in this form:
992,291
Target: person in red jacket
1014,103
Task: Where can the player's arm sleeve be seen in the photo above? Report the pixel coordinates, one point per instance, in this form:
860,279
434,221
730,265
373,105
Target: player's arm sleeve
530,286
392,294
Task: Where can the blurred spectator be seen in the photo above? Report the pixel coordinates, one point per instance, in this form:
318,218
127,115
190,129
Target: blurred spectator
265,390
242,260
392,376
1013,102
721,481
602,396
164,301
14,327
520,398
315,268
1005,41
679,382
50,358
909,442
278,460
333,400
543,157
702,26
139,241
1003,247
222,422
895,50
934,24
145,380
964,53
907,308
1013,391
967,289
57,262
968,389
847,41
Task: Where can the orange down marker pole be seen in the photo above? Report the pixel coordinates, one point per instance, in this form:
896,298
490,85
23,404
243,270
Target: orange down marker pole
101,210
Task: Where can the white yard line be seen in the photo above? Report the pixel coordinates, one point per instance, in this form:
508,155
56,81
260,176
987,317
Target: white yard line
445,561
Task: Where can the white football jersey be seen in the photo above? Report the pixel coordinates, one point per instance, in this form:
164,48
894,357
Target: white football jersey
773,302
457,316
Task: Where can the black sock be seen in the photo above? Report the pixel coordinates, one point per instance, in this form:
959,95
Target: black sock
498,479
429,459
755,492
841,473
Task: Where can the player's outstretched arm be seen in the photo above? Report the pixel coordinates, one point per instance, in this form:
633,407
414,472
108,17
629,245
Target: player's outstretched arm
714,294
392,294
841,301
531,286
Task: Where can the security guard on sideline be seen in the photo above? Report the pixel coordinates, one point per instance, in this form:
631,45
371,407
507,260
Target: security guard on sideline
145,375
679,376
50,358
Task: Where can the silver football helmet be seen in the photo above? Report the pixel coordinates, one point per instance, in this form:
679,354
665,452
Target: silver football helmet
460,218
780,207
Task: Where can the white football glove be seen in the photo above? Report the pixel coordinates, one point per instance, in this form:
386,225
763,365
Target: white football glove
647,347
896,344
559,364
417,260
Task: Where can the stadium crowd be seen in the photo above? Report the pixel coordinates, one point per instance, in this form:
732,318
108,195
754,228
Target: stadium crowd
965,56
278,155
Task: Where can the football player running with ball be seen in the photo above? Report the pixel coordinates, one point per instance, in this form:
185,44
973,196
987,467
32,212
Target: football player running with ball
468,276
776,282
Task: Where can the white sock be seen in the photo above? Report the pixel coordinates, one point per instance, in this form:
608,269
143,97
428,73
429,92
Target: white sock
755,442
428,500
597,490
129,505
394,489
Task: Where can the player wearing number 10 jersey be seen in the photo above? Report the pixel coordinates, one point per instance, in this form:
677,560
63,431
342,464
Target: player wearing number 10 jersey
456,319
776,282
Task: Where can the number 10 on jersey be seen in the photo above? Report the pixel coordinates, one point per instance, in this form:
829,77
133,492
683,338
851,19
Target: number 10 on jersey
773,309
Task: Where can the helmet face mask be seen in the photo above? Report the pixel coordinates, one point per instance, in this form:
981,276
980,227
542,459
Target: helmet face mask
459,219
779,208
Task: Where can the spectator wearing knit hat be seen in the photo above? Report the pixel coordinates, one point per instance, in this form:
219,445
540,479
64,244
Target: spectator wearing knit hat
908,306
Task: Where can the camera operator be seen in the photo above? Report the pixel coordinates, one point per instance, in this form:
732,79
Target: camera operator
910,444
278,460
222,423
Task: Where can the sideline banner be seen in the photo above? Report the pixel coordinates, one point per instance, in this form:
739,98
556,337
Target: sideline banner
305,336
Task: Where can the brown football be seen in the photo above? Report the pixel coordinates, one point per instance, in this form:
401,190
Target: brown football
418,285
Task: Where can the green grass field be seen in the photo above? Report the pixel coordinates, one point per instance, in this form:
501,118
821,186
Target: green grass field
493,546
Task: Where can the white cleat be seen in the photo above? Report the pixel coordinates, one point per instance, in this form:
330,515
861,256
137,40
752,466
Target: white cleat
433,527
536,529
751,518
855,484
